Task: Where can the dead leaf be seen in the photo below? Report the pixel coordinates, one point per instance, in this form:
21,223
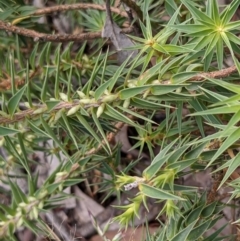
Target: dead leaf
118,38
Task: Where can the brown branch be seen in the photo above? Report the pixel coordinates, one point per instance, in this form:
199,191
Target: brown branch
6,84
215,74
29,113
52,37
61,8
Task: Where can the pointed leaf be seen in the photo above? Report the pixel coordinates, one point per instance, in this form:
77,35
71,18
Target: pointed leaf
131,92
136,114
69,128
156,193
231,166
182,77
183,234
15,99
146,104
17,193
226,144
90,130
4,131
51,104
197,13
118,116
164,89
100,129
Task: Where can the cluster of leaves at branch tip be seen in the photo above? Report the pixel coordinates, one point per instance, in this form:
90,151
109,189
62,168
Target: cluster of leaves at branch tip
131,210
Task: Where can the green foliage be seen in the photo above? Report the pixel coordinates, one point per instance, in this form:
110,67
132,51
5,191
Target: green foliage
77,94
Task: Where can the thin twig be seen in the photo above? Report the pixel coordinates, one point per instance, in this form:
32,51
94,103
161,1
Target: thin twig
5,82
215,74
53,37
30,112
62,8
58,226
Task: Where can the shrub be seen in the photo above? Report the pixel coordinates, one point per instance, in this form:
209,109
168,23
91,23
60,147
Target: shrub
67,90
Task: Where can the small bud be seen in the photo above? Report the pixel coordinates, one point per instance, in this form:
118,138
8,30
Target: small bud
22,205
179,90
60,187
85,58
60,174
30,137
106,92
87,101
2,223
92,93
27,104
42,194
31,216
146,94
58,115
63,97
81,94
131,85
19,211
31,199
9,216
36,39
40,205
40,110
83,71
100,110
73,110
126,103
2,141
19,222
109,98
35,212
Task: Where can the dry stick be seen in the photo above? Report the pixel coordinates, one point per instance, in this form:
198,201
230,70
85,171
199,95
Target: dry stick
52,37
5,83
61,229
30,112
62,8
215,74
